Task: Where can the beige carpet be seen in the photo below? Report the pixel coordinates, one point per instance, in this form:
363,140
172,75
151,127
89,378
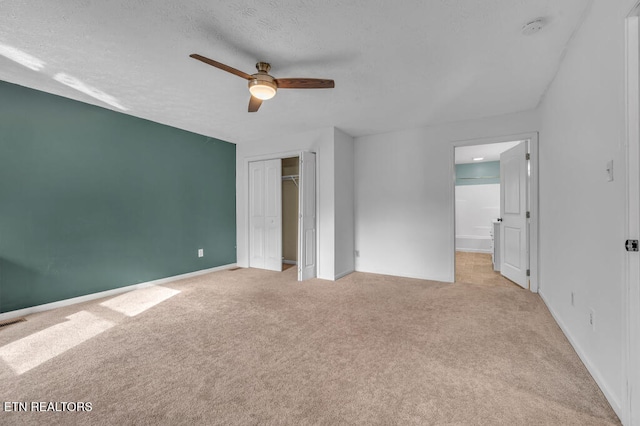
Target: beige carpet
477,268
256,347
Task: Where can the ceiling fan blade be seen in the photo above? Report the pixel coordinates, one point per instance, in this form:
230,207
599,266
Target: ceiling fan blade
304,83
223,67
254,104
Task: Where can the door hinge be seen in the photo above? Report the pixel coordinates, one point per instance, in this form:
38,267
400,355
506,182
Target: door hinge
528,215
527,156
528,272
631,245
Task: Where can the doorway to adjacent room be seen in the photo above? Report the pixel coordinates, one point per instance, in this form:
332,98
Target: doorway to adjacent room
495,205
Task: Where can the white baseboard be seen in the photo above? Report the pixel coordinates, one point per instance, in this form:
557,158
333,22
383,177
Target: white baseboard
473,243
343,274
290,262
595,373
107,293
466,250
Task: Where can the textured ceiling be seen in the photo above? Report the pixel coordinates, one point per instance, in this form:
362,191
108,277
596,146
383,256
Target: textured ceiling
396,64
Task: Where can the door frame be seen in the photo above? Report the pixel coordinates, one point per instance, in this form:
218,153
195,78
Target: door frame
532,137
631,296
247,197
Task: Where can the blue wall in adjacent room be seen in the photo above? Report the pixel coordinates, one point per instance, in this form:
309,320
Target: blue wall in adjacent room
478,173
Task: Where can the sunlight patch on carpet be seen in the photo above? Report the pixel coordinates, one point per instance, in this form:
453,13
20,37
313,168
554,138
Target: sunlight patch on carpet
31,351
138,301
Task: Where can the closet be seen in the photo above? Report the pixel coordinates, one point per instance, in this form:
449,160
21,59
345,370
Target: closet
282,214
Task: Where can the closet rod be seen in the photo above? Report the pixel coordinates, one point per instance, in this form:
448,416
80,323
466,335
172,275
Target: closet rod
291,177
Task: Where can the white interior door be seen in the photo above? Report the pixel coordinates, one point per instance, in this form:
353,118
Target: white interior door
514,256
307,222
265,214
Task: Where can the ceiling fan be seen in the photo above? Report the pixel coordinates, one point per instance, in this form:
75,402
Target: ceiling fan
262,86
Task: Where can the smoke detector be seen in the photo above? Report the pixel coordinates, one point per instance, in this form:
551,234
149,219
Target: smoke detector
533,26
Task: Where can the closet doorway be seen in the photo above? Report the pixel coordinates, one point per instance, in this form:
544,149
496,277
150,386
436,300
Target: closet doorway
290,209
282,214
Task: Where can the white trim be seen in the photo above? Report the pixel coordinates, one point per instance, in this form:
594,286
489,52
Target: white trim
467,250
274,156
534,224
595,373
289,262
631,274
107,293
319,154
452,214
532,137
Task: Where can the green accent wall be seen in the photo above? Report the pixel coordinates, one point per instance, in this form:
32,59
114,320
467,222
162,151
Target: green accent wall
92,200
478,173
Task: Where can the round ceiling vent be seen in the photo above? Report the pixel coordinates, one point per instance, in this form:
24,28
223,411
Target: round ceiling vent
533,26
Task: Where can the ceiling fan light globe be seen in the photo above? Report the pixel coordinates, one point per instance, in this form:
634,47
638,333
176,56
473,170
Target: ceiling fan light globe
262,92
262,88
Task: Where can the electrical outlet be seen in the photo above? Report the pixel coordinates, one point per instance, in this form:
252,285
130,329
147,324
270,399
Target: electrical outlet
592,319
609,169
200,252
573,299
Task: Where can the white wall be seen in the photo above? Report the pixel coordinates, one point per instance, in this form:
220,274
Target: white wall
320,141
344,204
477,206
404,195
581,214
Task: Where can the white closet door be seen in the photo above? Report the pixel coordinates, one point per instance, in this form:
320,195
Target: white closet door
307,222
256,214
265,214
273,214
